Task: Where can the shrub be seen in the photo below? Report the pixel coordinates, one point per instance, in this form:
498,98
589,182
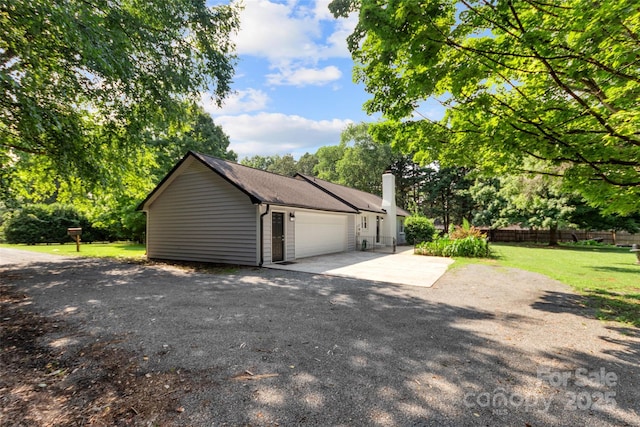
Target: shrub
122,223
470,246
418,229
44,224
476,247
435,248
466,230
25,226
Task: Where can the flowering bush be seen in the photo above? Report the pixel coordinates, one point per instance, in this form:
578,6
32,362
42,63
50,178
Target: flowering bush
466,230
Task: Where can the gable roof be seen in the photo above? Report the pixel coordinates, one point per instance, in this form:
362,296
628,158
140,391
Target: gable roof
357,199
267,187
264,187
360,200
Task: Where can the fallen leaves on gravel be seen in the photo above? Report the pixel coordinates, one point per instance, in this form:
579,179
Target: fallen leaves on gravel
96,384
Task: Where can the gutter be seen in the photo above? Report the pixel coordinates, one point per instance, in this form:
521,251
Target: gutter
262,235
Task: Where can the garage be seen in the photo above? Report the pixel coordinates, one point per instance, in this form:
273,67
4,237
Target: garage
211,210
320,233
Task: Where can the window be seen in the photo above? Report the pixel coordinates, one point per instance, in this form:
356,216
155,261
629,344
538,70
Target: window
401,226
364,222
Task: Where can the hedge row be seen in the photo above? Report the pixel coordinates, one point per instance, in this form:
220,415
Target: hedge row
41,223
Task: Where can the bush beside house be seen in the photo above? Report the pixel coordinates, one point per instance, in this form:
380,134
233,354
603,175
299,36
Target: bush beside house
418,229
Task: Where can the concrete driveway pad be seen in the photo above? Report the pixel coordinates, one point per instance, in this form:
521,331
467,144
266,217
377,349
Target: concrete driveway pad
403,268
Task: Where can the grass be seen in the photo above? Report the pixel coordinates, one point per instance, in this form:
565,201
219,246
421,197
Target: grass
95,250
607,275
121,251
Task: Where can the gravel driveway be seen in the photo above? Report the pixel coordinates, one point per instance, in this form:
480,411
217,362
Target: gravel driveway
484,346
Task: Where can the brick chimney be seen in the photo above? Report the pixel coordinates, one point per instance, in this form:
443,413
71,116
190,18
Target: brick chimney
389,205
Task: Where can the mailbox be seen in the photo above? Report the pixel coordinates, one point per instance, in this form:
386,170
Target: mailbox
636,249
74,231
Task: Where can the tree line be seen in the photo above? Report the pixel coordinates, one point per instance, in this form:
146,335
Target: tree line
99,99
106,212
550,88
542,106
450,195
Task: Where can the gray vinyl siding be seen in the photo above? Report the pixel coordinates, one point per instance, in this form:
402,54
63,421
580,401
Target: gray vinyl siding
290,238
266,238
351,233
201,217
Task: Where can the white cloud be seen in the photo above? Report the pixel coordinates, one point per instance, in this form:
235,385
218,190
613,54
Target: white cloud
271,30
337,41
292,35
242,101
275,133
321,9
305,76
301,41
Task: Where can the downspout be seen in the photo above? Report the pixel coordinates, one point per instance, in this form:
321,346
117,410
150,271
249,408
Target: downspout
262,236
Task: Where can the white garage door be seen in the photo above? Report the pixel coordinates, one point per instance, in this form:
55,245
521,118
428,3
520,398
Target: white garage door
320,233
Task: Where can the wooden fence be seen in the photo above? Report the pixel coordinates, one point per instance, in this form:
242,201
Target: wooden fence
542,236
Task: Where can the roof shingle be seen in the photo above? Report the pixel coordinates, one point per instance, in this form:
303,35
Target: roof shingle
360,200
268,187
302,192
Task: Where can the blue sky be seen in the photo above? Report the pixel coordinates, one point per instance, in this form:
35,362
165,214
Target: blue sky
294,90
293,84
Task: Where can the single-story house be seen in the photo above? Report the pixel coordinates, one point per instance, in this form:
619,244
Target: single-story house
212,210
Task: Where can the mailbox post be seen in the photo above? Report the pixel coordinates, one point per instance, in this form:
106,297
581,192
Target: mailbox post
75,234
636,249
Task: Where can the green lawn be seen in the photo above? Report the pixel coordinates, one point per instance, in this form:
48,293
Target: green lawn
101,250
607,275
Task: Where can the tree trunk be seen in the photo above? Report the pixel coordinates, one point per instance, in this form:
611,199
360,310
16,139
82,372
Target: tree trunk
553,235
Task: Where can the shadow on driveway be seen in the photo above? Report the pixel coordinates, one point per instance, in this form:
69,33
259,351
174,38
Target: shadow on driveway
476,349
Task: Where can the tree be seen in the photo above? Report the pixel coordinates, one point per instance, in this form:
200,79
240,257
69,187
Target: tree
556,81
258,162
364,161
328,157
539,202
489,202
306,164
410,178
45,224
282,165
83,80
359,162
446,195
589,218
112,207
202,135
535,201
